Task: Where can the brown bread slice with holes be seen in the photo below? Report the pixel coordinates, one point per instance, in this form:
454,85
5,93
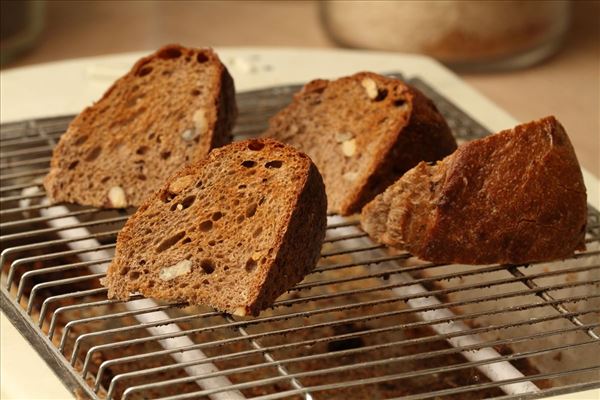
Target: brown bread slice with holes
514,197
170,109
363,132
233,231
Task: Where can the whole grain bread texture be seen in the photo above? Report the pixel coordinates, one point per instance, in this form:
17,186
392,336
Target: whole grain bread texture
233,231
514,197
363,132
170,109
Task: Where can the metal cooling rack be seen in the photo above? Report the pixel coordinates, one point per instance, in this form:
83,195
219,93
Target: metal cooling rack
367,323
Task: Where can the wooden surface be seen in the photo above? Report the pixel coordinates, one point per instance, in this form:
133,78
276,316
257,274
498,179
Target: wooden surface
567,85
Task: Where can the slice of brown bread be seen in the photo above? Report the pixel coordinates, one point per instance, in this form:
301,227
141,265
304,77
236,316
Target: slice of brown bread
513,197
170,109
233,231
363,132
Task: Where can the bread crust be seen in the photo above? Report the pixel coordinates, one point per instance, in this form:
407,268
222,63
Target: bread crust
399,127
300,245
426,137
296,231
514,197
133,136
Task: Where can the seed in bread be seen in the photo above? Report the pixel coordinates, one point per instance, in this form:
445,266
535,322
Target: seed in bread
233,231
363,132
170,109
514,197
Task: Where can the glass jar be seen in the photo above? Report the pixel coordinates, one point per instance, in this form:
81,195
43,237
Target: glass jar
478,35
21,23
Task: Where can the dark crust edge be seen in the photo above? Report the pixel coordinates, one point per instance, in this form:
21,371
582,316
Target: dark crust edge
299,247
426,137
227,111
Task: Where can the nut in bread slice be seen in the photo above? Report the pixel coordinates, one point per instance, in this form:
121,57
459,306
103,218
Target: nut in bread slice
170,109
233,231
514,197
363,132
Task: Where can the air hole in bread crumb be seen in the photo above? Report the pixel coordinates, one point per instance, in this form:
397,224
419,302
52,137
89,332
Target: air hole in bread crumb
199,184
236,202
274,164
150,284
182,285
167,73
257,231
239,219
206,226
217,216
381,94
242,187
166,196
131,102
201,58
188,201
141,177
207,265
169,242
165,154
226,268
196,286
144,71
142,262
73,164
124,270
169,52
105,179
211,242
186,240
248,163
250,265
195,92
255,145
399,102
81,140
133,275
94,153
141,150
251,210
206,282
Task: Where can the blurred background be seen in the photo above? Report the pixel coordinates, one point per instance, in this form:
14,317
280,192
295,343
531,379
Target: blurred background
533,58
